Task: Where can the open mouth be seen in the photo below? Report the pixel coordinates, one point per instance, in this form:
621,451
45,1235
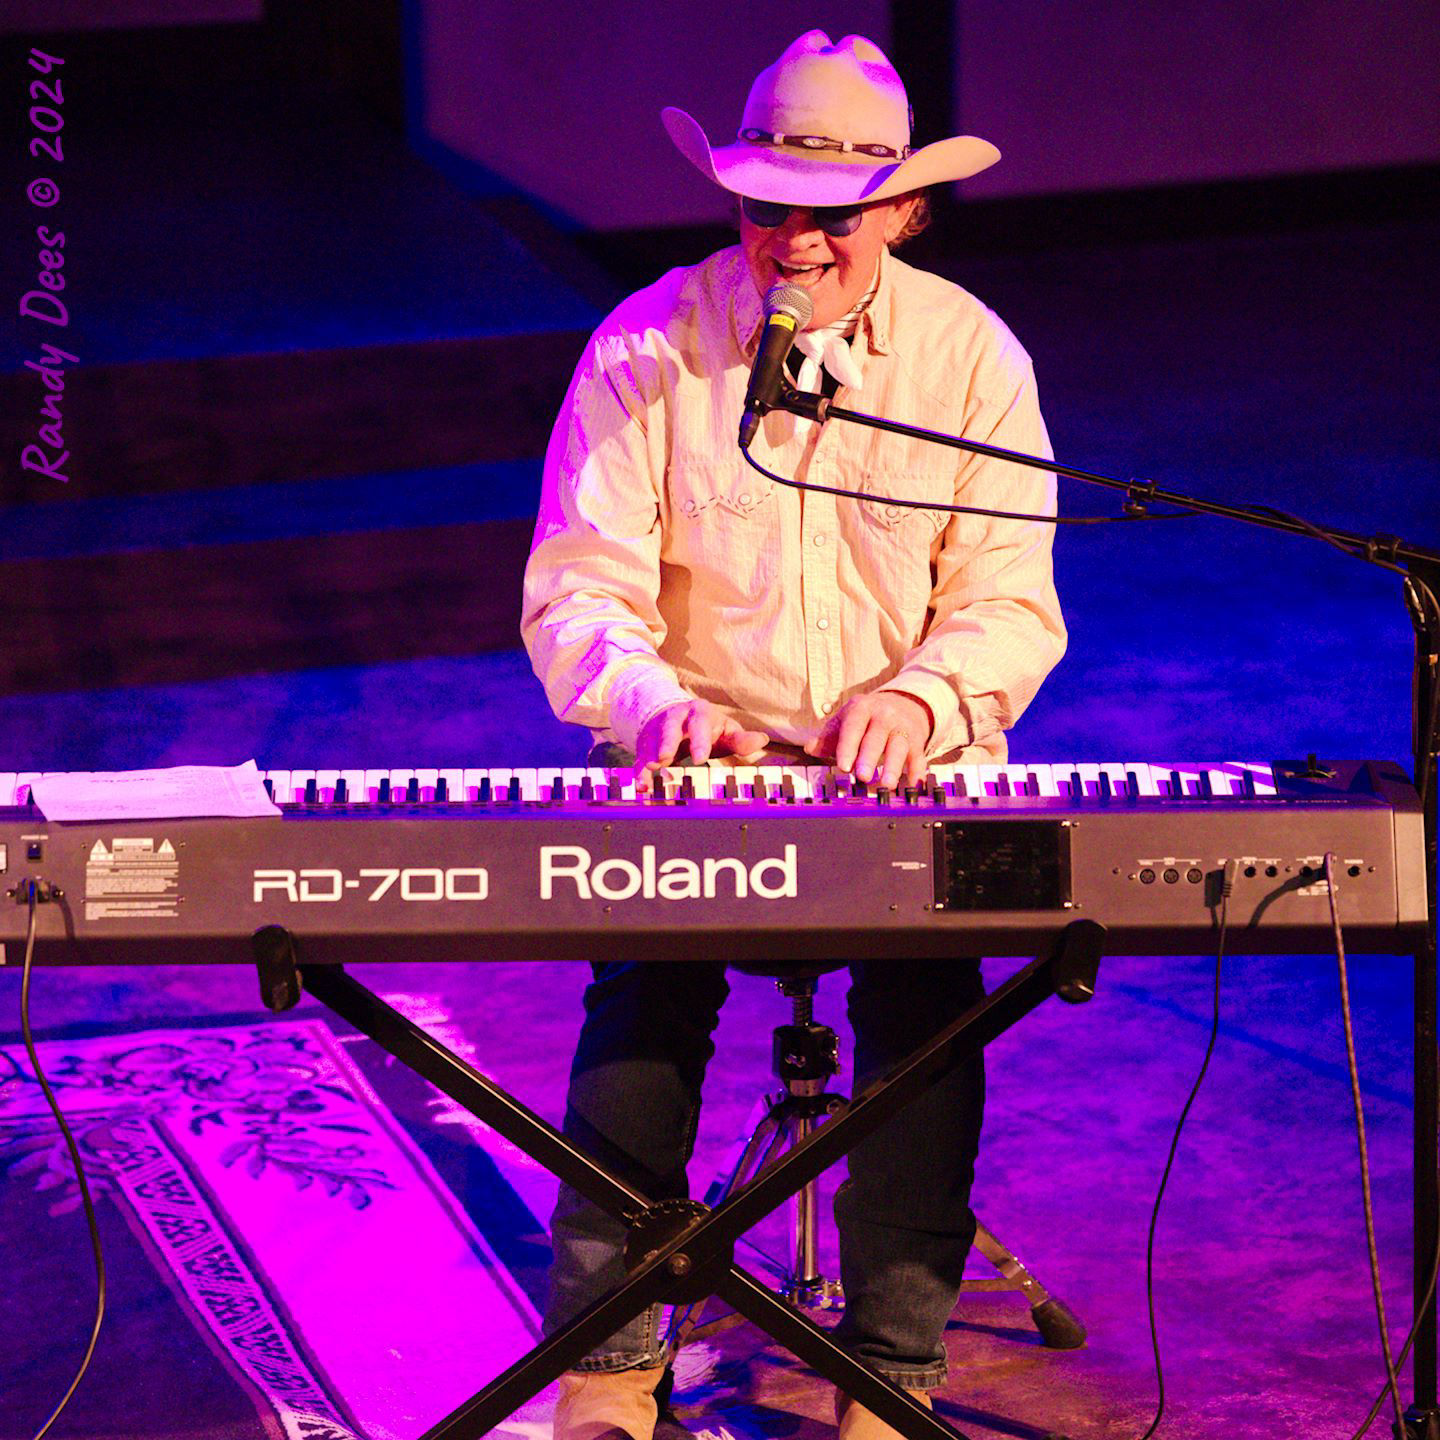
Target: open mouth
802,274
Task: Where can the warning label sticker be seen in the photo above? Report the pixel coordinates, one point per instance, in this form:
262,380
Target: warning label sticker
132,879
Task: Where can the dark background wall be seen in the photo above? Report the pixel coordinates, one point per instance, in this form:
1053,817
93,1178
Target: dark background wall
331,265
1077,95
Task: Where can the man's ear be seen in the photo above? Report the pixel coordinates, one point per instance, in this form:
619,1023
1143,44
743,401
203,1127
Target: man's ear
898,218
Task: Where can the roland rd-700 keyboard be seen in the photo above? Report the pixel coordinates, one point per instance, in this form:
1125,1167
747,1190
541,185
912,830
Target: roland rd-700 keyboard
767,863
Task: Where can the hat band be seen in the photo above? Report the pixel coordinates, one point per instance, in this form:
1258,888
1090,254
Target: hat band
824,142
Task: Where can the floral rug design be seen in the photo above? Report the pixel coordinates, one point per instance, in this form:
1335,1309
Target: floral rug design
286,1210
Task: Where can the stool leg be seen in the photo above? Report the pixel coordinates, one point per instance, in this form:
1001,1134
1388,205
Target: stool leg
1059,1326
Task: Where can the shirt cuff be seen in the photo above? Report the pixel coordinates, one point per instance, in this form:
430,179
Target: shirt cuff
639,693
939,698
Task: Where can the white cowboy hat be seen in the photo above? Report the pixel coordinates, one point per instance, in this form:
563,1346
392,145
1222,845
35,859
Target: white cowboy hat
827,125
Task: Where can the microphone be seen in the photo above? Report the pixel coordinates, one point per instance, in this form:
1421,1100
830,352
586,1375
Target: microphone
788,309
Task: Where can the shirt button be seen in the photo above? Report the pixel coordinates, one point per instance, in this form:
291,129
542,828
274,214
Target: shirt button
822,623
690,507
745,499
827,707
819,539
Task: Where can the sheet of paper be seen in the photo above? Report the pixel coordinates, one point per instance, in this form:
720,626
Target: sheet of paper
183,790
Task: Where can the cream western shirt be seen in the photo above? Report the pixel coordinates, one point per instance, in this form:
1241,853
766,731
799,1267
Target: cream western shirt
664,568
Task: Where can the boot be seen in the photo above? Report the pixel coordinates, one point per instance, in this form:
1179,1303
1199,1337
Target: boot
607,1404
858,1423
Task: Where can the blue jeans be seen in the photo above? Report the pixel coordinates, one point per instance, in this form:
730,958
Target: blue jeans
903,1216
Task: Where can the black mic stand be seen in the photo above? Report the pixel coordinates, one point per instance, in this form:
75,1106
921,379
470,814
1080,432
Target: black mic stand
1421,567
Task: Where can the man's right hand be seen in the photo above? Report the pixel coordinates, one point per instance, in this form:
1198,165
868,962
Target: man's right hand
707,728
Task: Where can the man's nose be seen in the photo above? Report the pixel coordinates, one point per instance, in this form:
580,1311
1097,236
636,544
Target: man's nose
800,225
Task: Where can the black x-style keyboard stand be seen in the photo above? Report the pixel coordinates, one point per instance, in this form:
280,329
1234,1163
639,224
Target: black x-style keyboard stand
681,1251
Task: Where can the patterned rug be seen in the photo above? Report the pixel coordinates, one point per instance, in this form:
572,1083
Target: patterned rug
285,1258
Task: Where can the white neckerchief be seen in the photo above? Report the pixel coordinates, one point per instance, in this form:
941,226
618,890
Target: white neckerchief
829,347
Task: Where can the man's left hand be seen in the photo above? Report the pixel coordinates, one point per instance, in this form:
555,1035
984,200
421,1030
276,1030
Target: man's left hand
881,736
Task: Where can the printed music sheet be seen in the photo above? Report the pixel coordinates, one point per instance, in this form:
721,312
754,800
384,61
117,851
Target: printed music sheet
175,793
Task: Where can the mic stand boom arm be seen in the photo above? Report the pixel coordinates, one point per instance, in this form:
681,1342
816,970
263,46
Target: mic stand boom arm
1421,567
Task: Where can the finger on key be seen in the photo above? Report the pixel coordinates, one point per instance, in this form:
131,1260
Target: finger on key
746,745
918,766
701,730
893,763
849,738
871,752
665,744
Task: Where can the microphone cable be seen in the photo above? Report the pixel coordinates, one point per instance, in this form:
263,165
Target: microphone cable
1227,886
35,891
794,484
1392,1383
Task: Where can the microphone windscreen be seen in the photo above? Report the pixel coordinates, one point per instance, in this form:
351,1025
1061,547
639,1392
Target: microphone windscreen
784,298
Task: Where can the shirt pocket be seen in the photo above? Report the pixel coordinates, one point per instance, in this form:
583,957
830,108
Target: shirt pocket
728,486
885,509
724,528
899,538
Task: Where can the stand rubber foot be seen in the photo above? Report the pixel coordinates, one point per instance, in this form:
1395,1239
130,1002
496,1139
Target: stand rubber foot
1419,1425
1060,1327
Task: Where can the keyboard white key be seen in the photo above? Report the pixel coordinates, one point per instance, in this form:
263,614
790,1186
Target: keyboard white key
1018,778
666,781
279,786
1222,783
298,781
1114,771
745,777
354,785
1142,774
802,780
1042,780
454,783
710,780
1263,775
1188,778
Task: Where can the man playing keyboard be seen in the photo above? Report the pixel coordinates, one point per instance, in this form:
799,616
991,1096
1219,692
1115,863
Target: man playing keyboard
676,600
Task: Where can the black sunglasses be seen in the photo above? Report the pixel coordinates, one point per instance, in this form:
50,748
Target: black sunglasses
836,220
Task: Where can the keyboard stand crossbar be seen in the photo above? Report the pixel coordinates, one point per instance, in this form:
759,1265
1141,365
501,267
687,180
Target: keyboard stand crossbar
687,1254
